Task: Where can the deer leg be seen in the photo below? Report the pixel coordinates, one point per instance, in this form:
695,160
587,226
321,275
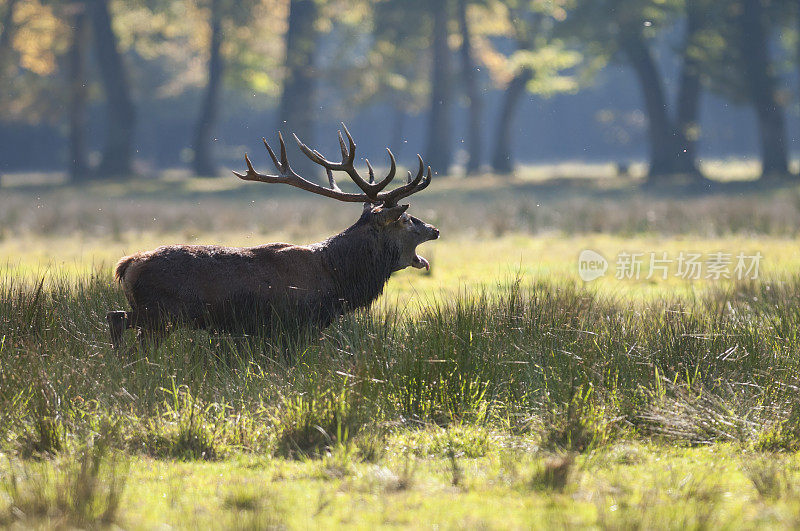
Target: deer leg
151,329
117,324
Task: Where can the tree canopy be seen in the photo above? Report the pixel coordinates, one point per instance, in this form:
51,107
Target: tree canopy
201,63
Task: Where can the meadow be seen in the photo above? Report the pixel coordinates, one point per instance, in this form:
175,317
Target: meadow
499,390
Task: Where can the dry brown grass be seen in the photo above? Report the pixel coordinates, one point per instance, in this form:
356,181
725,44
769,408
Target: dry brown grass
486,206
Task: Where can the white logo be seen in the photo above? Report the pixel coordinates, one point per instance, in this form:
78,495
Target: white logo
591,265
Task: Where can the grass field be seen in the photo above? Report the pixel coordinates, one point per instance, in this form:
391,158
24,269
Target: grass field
499,391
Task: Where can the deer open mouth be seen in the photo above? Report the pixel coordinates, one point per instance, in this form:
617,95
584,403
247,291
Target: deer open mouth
420,263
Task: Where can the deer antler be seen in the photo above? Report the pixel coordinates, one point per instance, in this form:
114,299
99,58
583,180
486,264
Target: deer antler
347,164
372,191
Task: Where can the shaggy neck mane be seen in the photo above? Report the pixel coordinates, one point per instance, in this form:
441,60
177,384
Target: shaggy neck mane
360,262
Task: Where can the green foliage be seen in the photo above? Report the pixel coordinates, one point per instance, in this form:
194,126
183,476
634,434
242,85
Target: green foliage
30,49
555,66
507,373
521,357
548,62
599,28
600,24
719,48
395,66
483,390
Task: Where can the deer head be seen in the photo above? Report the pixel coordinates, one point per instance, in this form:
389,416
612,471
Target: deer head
382,214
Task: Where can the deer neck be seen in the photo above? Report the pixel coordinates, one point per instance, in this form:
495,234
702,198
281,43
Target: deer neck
360,264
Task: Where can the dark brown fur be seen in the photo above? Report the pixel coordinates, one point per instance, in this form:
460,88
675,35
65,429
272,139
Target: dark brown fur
251,290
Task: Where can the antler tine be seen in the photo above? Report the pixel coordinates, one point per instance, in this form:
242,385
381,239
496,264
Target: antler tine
419,175
347,165
249,169
252,174
389,176
315,155
426,182
371,172
417,185
343,148
376,188
271,153
332,181
420,172
284,159
412,186
392,163
352,151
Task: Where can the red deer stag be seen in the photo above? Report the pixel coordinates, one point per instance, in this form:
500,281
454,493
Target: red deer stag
248,290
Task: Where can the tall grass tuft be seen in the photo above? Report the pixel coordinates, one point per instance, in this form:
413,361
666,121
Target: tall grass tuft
319,419
579,428
186,429
769,477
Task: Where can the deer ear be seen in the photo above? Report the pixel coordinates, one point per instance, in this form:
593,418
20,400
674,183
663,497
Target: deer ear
384,216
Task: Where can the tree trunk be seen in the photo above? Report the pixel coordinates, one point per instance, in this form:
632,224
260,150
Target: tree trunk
661,134
297,105
687,127
118,151
474,103
760,81
501,158
7,35
439,151
203,163
6,41
78,96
